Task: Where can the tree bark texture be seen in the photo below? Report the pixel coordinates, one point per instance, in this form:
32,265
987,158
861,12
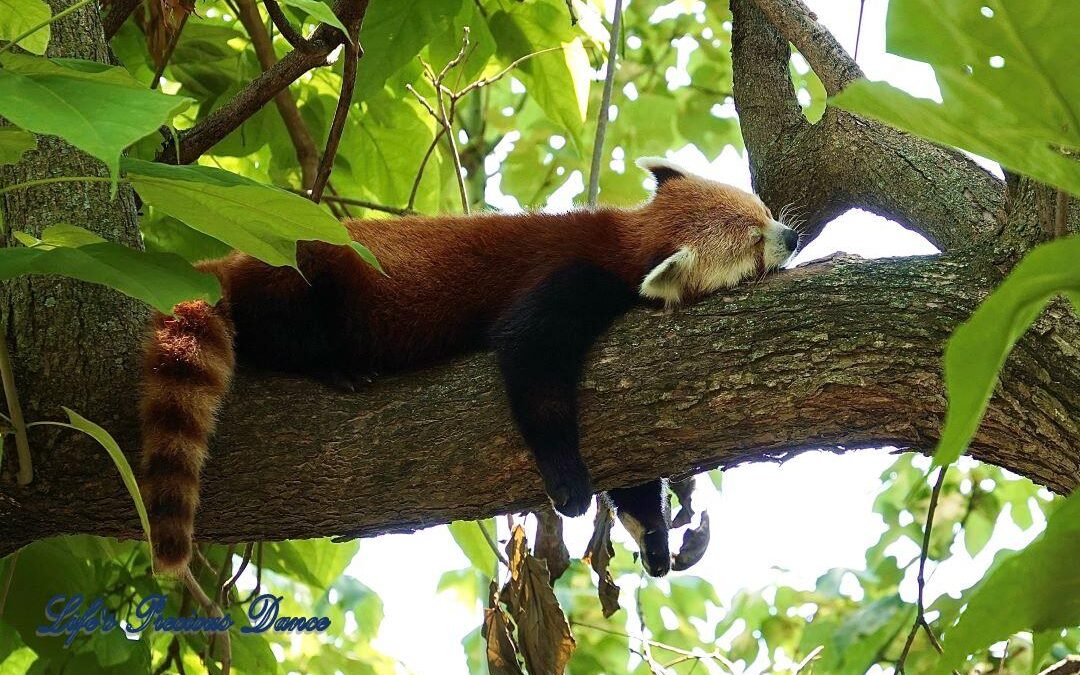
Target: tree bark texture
838,355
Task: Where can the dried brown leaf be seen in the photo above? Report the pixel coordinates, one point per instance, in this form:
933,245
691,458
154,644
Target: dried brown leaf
598,555
694,544
159,19
501,650
543,635
549,545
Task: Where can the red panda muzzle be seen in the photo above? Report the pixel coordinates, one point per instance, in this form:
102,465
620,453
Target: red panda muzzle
186,371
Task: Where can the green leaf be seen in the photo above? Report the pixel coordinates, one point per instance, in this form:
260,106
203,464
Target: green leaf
14,142
977,532
320,11
261,220
19,16
473,544
978,348
96,108
1036,589
159,279
106,441
558,81
1006,93
394,33
315,562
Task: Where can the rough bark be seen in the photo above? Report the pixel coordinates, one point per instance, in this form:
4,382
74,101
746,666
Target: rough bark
841,355
68,338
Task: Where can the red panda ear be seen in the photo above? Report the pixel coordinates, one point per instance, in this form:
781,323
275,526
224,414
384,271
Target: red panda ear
661,169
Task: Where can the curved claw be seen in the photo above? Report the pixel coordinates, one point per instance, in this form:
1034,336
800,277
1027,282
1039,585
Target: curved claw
694,544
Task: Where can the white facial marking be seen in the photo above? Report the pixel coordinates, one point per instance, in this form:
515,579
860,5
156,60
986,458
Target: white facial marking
650,163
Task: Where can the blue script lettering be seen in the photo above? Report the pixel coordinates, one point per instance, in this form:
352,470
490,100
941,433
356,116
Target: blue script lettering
263,614
63,612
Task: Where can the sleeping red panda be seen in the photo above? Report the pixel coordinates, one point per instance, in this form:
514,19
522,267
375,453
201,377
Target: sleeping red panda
537,288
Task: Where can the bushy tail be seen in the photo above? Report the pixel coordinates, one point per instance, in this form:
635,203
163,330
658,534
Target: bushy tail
186,371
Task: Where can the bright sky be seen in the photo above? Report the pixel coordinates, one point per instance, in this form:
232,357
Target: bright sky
806,516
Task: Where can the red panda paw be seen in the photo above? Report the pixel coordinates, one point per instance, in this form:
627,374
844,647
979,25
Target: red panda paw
570,492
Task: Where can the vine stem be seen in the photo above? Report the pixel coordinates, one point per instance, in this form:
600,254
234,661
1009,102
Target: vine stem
11,393
12,561
41,25
605,106
58,179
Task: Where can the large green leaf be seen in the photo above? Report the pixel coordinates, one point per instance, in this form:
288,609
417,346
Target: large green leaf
96,108
258,219
159,279
19,16
1036,589
394,33
315,562
1007,91
978,348
13,143
559,80
473,543
320,11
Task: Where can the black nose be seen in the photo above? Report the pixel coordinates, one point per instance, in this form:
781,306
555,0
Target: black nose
791,239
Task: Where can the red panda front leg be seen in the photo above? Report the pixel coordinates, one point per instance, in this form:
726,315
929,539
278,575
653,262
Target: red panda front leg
541,345
643,511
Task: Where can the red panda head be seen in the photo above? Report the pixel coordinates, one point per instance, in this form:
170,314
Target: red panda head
721,235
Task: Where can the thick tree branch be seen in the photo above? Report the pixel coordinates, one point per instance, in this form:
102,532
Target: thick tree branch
799,25
845,161
249,100
840,356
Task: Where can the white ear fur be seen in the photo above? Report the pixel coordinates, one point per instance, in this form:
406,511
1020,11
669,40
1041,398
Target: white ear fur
668,280
662,170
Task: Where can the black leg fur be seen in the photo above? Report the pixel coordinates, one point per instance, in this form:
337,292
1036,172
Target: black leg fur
643,511
541,345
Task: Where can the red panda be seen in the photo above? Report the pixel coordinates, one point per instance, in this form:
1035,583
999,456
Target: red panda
537,288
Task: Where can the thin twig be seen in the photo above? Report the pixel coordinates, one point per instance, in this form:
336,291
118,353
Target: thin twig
281,22
348,83
211,608
724,661
858,30
228,587
814,653
492,544
173,40
334,193
224,573
423,163
22,442
605,105
362,203
258,574
920,615
307,155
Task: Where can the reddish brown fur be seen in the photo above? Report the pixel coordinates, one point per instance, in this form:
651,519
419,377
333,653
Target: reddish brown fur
448,278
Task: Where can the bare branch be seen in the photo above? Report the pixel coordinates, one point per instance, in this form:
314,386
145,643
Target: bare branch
249,100
307,156
800,26
605,105
341,113
281,22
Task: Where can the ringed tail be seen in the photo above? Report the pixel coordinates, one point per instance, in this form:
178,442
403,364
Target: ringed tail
187,367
